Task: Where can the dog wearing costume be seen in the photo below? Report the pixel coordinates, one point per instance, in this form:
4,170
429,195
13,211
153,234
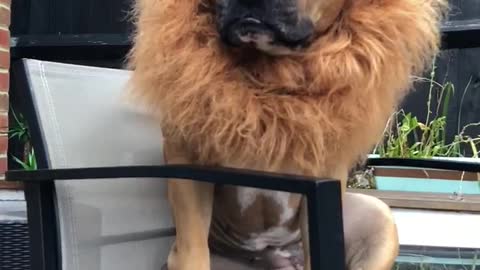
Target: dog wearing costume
289,86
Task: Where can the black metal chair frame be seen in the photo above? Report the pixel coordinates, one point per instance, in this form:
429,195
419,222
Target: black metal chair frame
323,196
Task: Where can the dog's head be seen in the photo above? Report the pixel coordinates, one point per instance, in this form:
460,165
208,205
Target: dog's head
274,26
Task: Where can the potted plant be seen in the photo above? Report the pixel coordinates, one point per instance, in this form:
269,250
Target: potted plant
407,137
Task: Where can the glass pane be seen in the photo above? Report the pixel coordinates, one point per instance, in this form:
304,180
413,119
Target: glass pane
437,258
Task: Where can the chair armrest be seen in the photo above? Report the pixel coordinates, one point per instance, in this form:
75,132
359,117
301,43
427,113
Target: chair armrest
323,196
453,165
215,175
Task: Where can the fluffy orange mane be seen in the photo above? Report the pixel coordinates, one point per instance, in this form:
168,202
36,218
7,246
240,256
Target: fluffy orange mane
310,111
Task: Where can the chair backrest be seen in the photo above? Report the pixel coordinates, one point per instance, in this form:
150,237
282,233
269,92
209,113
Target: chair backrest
84,122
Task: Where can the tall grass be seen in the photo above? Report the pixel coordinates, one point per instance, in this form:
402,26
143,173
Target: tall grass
406,137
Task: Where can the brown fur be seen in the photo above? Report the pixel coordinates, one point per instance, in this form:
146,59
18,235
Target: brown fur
327,105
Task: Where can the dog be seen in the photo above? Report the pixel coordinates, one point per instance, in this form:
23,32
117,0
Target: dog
290,86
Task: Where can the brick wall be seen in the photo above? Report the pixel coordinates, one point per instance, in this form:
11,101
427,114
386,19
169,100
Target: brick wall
4,80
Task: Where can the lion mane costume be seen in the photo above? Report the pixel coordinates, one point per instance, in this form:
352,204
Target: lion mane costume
326,106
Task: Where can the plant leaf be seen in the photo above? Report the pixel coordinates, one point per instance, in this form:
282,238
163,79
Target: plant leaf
23,164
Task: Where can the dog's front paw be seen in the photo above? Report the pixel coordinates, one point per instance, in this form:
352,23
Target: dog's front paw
187,261
282,260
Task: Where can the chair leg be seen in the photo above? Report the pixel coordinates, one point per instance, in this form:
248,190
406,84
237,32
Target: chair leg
42,224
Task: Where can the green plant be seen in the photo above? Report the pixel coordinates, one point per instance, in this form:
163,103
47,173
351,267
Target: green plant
407,137
30,162
19,130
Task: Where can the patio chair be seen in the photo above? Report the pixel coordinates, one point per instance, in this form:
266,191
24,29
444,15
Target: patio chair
97,200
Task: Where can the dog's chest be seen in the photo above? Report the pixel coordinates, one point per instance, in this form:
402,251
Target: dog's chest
257,218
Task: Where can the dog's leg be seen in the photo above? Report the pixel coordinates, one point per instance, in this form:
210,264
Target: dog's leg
371,238
191,204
